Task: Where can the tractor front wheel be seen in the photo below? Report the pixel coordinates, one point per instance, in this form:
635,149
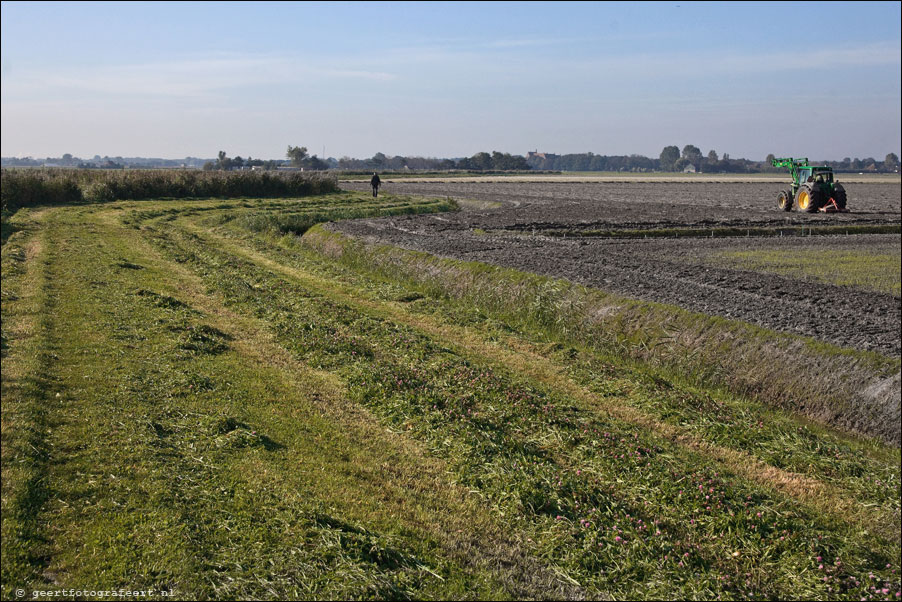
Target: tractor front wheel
784,200
809,198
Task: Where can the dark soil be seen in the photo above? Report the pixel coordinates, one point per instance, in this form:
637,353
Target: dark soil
668,270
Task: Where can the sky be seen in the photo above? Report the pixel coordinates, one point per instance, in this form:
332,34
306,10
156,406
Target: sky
440,79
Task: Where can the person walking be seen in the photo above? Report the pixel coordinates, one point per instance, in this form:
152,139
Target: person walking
375,182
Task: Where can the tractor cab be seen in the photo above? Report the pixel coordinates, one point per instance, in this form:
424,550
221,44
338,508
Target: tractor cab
821,175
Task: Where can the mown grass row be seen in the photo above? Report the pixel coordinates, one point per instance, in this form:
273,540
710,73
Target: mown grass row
28,388
160,457
595,492
32,187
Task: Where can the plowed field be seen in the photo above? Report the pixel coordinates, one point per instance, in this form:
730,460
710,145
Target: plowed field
679,243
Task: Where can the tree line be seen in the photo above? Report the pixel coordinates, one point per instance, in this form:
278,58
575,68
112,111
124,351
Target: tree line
482,161
299,157
691,158
671,159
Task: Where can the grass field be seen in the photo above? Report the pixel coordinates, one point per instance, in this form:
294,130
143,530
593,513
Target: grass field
876,269
197,401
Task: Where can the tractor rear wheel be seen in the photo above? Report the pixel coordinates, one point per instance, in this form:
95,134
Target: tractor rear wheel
809,198
784,200
839,195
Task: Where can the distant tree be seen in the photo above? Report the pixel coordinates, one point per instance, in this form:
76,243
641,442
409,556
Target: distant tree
297,155
891,163
768,163
508,162
378,160
224,163
712,155
316,163
681,163
668,157
237,162
692,153
481,161
209,166
393,163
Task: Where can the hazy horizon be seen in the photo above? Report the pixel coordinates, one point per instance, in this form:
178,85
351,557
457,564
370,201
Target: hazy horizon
174,80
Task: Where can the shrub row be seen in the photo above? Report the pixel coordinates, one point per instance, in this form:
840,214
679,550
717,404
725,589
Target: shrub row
30,187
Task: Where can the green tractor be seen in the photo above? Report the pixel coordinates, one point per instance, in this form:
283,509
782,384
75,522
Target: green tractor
813,188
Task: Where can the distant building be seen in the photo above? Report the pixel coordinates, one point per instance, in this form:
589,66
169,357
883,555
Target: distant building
539,156
689,168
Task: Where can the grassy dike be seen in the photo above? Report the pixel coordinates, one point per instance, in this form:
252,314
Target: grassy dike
861,397
197,404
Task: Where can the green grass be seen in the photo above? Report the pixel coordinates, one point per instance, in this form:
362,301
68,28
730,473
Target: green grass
222,411
871,270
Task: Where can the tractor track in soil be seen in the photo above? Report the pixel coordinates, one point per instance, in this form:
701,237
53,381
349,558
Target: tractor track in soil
666,270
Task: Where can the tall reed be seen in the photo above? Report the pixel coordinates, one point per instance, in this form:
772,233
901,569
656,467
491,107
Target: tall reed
30,187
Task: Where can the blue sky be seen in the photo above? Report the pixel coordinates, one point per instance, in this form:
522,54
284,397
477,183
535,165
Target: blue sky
450,79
